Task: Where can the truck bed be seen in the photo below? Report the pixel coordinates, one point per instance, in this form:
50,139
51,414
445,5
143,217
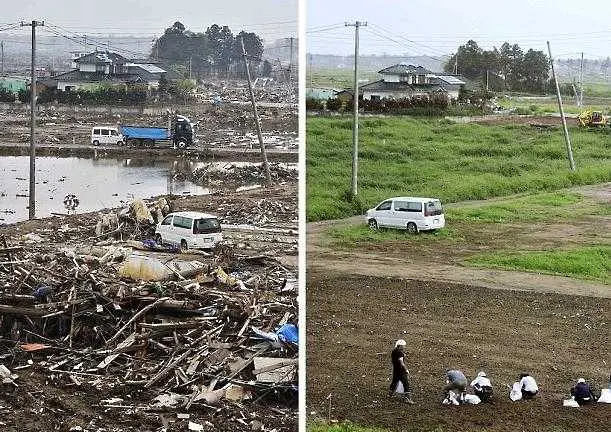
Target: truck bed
143,132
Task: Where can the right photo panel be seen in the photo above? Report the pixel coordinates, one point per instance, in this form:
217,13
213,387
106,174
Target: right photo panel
458,170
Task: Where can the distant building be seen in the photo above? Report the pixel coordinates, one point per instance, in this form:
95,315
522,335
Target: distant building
99,67
320,93
407,81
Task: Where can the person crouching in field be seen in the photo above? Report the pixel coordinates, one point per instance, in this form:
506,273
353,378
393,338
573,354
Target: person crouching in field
482,387
582,392
529,386
400,372
455,380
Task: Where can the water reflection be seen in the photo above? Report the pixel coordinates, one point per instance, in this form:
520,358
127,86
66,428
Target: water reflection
98,183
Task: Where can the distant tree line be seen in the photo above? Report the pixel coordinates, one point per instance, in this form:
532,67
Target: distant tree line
507,68
217,51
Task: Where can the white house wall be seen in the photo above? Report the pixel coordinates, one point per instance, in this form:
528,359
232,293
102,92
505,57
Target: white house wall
87,67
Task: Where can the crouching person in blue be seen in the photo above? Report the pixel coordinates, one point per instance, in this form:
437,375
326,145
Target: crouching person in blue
482,387
400,372
582,392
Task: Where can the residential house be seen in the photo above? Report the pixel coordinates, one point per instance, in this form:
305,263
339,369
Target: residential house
93,69
408,81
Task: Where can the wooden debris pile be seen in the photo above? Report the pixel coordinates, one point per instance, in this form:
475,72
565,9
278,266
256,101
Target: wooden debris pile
194,340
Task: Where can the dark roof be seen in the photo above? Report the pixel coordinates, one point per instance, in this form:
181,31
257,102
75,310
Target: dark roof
447,80
102,57
383,86
405,69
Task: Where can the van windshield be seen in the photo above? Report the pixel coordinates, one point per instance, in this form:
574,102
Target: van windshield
433,208
206,226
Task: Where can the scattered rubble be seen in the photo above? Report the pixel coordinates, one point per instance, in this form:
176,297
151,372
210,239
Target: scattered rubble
209,343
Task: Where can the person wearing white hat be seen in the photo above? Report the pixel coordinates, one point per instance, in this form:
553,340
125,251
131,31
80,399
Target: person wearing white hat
482,387
400,372
582,392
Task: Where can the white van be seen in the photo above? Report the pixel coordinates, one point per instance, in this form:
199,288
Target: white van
411,213
106,135
189,230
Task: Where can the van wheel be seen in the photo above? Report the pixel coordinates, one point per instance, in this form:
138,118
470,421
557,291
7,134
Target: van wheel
182,145
96,143
120,143
183,246
159,239
412,228
373,224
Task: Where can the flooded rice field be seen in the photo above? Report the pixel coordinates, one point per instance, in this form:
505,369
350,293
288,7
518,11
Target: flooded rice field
97,183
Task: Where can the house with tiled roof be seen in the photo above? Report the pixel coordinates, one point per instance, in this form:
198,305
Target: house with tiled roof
407,81
98,67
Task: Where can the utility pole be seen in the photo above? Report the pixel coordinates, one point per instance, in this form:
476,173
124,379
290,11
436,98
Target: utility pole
190,67
456,64
268,175
569,150
32,192
2,48
355,123
486,80
291,59
581,82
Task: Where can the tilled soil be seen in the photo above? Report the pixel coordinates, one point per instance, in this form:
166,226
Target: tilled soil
354,320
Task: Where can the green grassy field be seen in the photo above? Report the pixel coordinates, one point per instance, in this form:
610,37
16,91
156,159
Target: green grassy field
584,262
433,157
338,78
547,104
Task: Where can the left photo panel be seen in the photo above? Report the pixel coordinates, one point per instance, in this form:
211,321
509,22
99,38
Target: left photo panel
149,216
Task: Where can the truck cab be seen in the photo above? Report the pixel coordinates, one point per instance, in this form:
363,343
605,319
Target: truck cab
182,132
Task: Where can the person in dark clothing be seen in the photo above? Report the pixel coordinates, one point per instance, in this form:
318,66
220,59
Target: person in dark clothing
582,392
399,371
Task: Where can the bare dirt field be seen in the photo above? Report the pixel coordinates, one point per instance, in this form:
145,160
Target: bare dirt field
354,320
363,297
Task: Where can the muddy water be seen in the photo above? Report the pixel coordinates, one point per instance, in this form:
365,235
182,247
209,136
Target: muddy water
97,183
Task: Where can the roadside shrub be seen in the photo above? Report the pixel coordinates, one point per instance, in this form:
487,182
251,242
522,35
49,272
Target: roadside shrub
6,95
334,104
314,104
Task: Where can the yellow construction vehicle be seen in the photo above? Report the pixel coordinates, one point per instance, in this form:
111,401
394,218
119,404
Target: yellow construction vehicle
592,119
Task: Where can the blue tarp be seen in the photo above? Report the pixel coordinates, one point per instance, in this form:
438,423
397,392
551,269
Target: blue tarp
145,132
288,333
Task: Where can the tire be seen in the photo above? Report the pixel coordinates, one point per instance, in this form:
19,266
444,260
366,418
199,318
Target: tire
373,224
149,143
412,228
120,143
183,246
182,144
96,143
158,239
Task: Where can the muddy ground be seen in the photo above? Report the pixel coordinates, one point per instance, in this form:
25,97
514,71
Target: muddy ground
225,126
354,320
363,297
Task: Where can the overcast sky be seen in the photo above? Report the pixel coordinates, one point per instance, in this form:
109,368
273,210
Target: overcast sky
440,26
271,19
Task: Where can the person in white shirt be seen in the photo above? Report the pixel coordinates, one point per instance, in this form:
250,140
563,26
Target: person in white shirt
482,387
529,386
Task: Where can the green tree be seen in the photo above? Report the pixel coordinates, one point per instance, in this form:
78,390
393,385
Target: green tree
535,71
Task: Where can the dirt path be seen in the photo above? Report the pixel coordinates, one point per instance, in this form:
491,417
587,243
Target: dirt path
445,266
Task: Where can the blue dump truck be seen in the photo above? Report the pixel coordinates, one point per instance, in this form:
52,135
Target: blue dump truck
180,134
